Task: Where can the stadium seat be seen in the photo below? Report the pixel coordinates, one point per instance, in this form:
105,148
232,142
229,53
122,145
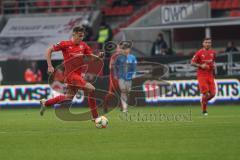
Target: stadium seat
118,11
81,5
55,5
221,5
41,3
214,4
66,5
41,6
228,4
10,7
235,4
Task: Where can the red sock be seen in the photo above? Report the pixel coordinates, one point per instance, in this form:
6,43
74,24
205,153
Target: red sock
55,100
92,104
204,103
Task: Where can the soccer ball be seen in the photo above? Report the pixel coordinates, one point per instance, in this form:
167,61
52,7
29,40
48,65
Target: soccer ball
101,122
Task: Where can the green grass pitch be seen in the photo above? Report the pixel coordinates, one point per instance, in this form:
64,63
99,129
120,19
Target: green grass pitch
24,135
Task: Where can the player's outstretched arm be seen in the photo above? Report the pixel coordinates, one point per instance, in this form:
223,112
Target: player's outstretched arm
93,57
203,66
49,60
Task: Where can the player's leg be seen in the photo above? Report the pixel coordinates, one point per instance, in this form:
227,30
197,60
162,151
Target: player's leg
112,88
90,89
80,83
123,91
209,94
212,88
204,89
108,96
71,91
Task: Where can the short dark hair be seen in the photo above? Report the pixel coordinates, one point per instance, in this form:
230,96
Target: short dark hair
79,29
125,44
206,39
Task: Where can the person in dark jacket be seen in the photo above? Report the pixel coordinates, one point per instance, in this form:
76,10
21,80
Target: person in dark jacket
159,46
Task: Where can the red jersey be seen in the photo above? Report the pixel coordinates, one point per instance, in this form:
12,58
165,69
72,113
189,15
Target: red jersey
205,56
112,61
72,55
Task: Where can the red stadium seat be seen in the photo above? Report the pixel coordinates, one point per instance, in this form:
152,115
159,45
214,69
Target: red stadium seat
67,5
118,11
41,6
214,4
81,5
220,4
228,4
42,3
55,5
235,4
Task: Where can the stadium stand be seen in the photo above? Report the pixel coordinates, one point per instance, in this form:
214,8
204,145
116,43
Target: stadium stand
45,6
118,16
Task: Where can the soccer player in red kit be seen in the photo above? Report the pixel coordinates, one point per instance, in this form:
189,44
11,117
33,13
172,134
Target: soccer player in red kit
204,60
73,52
113,82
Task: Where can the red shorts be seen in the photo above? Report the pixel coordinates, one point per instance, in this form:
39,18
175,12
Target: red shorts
75,80
207,84
113,84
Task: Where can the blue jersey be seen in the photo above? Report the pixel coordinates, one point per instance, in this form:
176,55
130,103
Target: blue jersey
125,66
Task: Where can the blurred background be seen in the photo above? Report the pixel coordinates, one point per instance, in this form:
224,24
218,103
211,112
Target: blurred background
164,31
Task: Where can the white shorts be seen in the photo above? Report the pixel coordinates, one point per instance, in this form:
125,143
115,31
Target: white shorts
124,85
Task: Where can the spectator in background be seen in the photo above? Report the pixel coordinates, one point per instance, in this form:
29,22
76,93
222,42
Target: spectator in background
88,30
159,46
104,33
33,74
231,47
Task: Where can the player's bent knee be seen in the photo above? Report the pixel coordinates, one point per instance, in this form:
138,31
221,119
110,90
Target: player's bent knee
89,87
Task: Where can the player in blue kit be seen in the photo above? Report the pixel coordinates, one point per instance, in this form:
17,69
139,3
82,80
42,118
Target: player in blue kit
124,71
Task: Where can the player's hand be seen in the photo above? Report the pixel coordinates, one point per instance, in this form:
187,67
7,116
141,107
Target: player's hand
101,54
50,69
204,66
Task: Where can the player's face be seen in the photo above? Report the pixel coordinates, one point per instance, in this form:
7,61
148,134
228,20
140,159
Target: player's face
126,51
207,44
78,36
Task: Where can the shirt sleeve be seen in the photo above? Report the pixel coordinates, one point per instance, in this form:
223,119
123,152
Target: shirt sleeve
195,58
87,50
59,46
